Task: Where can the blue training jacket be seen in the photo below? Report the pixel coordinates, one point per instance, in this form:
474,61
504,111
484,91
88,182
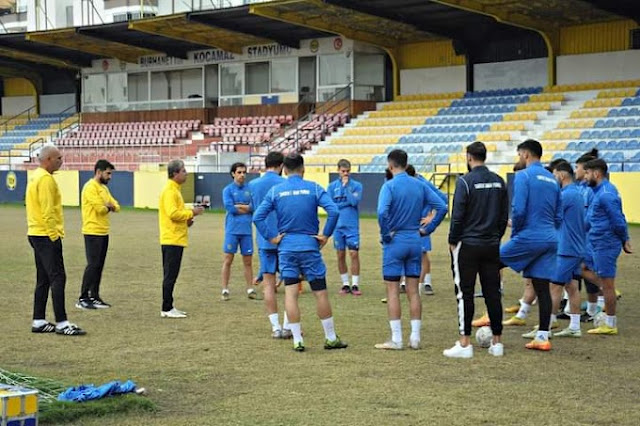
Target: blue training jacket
441,194
234,222
347,198
296,202
587,194
571,239
536,207
606,223
402,203
259,189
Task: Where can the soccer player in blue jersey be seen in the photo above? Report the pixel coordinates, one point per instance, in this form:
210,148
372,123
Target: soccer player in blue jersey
425,268
607,235
237,229
295,203
347,193
402,204
571,249
536,215
267,252
595,299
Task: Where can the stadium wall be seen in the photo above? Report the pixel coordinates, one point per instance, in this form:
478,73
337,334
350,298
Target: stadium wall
593,38
13,186
431,67
54,104
622,65
142,189
14,105
201,114
506,75
433,80
18,87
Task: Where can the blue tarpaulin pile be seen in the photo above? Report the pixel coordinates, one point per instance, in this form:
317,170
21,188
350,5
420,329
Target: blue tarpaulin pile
90,392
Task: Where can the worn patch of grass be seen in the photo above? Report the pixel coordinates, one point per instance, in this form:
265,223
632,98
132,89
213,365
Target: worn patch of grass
121,405
219,366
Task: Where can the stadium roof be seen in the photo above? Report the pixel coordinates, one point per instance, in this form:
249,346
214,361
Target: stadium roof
71,38
16,46
241,20
123,32
385,23
180,27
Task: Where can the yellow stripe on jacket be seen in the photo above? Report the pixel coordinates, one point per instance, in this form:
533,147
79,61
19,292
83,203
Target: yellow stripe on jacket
44,206
173,216
95,214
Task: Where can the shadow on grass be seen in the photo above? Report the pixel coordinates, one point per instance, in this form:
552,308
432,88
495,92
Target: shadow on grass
64,412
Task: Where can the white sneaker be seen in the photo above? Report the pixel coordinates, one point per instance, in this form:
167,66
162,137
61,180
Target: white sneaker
497,349
276,334
173,313
390,345
414,344
457,351
178,310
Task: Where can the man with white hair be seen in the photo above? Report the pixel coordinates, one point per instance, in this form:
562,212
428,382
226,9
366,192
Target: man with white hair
174,220
45,233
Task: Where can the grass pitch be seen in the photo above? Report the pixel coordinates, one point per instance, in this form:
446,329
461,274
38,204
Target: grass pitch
219,366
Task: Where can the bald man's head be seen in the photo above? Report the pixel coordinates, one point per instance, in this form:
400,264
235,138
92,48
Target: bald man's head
50,158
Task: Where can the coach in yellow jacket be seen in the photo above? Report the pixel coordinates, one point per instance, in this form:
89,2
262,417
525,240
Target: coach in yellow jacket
45,232
174,220
97,203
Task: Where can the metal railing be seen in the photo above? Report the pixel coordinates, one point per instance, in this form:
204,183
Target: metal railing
291,138
29,112
35,146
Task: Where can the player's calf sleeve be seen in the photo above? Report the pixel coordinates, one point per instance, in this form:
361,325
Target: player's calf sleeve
541,288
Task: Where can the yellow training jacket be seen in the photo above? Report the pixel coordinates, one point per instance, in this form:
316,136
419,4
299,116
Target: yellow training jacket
172,216
44,206
95,215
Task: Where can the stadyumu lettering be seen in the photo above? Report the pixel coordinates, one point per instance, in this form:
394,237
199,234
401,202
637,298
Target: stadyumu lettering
268,50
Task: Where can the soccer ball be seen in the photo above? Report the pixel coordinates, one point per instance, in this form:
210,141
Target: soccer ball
484,336
599,319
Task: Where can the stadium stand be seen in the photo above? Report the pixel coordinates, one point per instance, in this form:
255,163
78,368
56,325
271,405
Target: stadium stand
604,119
22,131
433,129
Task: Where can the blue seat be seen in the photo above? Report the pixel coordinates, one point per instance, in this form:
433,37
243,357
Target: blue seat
633,144
615,167
618,156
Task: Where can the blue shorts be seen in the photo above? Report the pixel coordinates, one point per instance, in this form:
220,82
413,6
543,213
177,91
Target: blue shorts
426,243
268,261
306,263
401,258
344,238
567,268
533,259
602,261
232,241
